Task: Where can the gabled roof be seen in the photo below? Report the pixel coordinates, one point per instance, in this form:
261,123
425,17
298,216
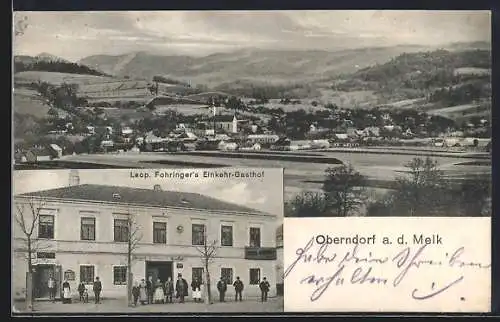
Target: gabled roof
141,197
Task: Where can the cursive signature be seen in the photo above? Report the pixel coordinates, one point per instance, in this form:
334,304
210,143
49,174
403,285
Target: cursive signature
358,266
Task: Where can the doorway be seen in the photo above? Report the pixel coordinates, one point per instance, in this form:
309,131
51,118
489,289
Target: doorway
40,280
159,270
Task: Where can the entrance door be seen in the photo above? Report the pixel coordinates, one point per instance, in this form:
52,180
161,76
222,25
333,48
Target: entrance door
159,270
41,277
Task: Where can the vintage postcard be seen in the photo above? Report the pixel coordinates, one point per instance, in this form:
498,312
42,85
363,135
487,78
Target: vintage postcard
158,241
372,113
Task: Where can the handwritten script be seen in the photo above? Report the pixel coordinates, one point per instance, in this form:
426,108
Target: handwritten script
360,266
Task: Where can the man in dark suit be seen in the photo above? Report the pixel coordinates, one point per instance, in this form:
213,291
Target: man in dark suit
238,288
97,290
150,289
222,288
181,288
264,289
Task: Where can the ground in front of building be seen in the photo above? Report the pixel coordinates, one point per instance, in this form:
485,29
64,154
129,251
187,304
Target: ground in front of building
254,305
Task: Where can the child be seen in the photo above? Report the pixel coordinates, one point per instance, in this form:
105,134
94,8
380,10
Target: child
81,290
85,296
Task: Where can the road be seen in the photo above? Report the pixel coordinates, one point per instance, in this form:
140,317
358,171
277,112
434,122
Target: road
273,305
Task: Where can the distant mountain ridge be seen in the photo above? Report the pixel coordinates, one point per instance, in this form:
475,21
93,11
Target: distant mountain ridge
256,65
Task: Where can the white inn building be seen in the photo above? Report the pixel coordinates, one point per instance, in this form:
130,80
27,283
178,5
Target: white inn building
82,233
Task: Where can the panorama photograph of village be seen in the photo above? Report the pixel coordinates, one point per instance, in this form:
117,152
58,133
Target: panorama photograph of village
370,113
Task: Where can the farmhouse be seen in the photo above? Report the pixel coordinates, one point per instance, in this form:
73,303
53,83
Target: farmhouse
82,233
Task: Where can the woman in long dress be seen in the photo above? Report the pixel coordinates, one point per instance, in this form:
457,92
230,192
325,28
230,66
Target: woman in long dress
196,287
159,295
66,293
143,294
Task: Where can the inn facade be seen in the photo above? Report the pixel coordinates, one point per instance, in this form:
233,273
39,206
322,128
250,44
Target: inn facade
82,233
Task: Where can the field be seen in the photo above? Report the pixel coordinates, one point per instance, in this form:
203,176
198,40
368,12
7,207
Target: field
57,78
29,104
462,110
186,109
472,71
347,99
131,114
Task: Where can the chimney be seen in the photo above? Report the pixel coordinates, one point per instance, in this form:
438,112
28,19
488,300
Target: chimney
157,187
74,178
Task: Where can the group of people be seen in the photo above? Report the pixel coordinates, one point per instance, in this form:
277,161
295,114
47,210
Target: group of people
149,292
238,289
66,296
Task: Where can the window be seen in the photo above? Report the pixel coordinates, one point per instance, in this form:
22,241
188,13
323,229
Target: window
87,228
254,237
254,276
87,274
197,273
198,232
120,275
159,232
227,275
226,235
121,230
46,226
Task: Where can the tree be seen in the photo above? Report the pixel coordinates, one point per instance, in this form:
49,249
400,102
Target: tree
27,217
134,236
207,252
474,196
307,204
344,190
422,192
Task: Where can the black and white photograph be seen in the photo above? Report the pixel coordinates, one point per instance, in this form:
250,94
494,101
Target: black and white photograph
147,241
370,112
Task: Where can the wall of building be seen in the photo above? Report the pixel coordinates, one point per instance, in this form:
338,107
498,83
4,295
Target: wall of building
104,253
104,263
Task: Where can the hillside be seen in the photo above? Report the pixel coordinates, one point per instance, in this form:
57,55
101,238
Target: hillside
413,75
253,65
49,63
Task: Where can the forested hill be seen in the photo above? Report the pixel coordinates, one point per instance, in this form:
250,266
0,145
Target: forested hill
422,70
22,64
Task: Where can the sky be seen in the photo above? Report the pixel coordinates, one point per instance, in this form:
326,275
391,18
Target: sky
75,35
264,194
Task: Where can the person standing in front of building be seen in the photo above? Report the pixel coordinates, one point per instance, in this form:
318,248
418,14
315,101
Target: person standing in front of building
181,288
66,298
222,288
169,290
51,283
150,289
136,292
143,292
196,288
97,290
238,288
264,289
81,290
159,296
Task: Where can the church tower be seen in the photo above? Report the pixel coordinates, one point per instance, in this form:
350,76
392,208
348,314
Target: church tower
74,178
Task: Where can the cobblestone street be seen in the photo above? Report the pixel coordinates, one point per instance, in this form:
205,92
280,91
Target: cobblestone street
273,305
